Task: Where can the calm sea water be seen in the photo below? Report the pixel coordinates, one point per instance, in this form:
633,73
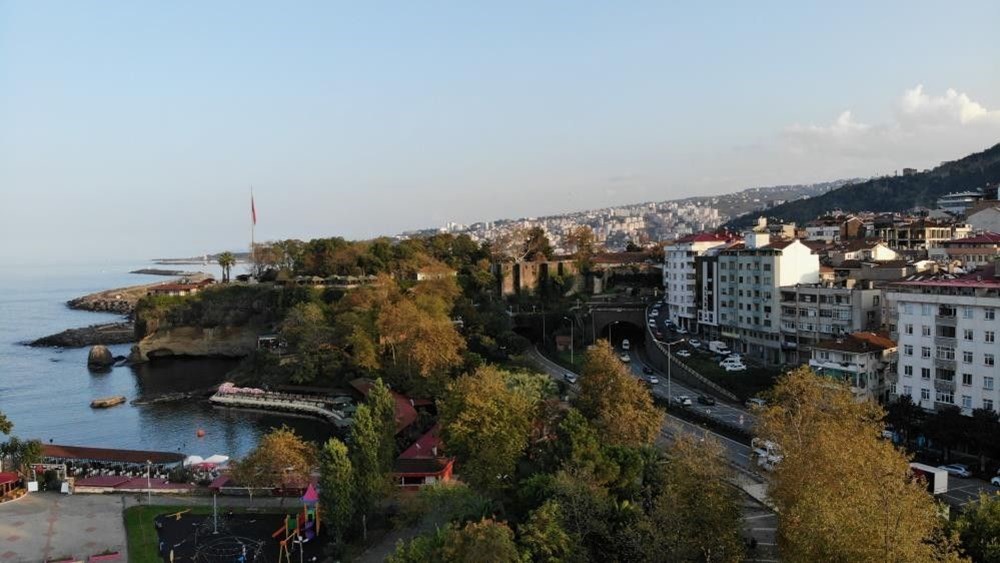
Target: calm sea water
46,392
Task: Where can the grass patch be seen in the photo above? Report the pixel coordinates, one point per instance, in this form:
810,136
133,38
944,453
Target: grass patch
743,384
143,541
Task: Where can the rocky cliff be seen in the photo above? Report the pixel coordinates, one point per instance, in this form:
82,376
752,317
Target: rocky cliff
111,333
225,341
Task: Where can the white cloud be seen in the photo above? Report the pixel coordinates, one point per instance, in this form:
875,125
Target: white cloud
920,108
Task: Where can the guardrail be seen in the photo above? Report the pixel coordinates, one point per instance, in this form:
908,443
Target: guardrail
689,371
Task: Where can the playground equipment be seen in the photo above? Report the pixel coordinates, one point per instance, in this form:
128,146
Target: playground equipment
177,515
230,549
299,528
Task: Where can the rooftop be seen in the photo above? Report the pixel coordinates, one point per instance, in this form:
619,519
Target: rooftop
984,238
110,455
858,342
406,414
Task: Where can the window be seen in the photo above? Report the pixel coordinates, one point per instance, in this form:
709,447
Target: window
908,390
925,394
990,336
967,379
925,331
966,402
925,373
945,397
968,334
988,359
925,310
988,383
990,314
988,404
945,353
909,329
966,357
925,351
907,308
907,350
966,312
908,371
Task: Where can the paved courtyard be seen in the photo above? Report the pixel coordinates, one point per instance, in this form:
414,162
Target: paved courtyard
49,525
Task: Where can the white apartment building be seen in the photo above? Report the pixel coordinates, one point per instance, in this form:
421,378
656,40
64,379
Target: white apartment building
750,276
811,313
680,277
861,359
947,330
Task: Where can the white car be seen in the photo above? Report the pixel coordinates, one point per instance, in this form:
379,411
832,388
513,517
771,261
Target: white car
957,469
683,354
733,367
652,323
695,343
683,400
995,481
624,357
570,378
626,344
655,313
653,380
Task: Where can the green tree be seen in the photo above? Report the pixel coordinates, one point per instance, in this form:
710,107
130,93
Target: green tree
21,453
873,512
5,424
617,403
947,427
979,529
697,515
372,478
383,409
544,537
904,415
486,541
983,431
486,425
536,245
337,493
226,261
423,548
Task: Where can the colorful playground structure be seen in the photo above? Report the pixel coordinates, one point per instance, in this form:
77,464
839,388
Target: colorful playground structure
299,528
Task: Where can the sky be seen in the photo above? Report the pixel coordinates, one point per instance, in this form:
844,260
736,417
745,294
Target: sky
135,129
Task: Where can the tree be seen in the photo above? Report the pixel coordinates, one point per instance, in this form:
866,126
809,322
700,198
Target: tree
21,453
337,493
536,245
544,537
372,478
617,403
486,424
383,409
842,493
486,541
6,427
983,431
423,548
903,414
226,261
948,426
979,529
280,459
697,515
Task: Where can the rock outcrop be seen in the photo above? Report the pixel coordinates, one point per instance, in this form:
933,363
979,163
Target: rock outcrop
100,358
123,299
227,341
111,333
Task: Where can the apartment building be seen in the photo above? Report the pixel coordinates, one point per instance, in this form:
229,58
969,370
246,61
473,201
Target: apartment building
946,328
680,276
921,234
975,251
811,313
750,275
864,360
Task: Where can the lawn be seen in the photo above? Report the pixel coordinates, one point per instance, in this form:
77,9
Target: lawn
744,384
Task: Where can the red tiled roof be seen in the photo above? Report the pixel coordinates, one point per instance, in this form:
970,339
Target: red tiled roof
421,466
984,278
985,238
106,454
858,342
425,446
405,413
8,477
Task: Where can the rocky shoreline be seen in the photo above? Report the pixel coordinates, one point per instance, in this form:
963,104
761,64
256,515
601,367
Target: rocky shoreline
204,393
106,334
122,300
162,272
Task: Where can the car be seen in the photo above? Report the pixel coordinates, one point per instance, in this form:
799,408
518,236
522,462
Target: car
681,330
624,357
652,323
706,400
957,469
695,343
570,378
683,354
683,400
626,344
735,357
654,313
995,481
647,370
733,367
755,402
652,380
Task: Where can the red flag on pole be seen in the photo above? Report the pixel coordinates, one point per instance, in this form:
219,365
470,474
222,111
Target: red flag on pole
253,210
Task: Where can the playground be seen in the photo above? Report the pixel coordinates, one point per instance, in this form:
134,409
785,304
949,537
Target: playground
226,537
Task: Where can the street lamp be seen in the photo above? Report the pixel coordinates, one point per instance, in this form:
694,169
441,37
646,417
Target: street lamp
572,357
670,363
149,492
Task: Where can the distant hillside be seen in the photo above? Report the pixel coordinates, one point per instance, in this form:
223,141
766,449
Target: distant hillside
892,193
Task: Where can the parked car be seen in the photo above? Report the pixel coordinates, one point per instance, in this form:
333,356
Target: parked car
755,402
647,370
624,357
683,354
957,469
683,400
570,378
654,313
626,344
652,380
719,347
706,400
652,323
995,481
733,366
695,343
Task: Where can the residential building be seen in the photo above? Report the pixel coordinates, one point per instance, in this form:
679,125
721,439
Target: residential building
750,275
946,327
921,234
975,251
811,313
960,202
423,463
866,250
680,276
986,219
861,359
708,292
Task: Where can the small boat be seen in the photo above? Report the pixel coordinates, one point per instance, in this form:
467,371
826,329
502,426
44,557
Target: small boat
107,402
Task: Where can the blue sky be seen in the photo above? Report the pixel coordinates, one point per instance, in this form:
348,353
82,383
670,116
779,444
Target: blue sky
134,129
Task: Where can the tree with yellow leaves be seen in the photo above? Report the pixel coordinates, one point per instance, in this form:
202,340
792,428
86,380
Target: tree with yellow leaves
618,404
842,493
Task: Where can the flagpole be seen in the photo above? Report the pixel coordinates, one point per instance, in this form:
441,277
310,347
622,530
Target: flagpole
253,226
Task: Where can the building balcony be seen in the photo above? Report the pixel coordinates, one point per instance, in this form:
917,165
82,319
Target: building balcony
948,341
946,320
943,363
944,385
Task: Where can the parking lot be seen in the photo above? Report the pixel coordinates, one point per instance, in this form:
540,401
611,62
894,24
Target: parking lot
44,526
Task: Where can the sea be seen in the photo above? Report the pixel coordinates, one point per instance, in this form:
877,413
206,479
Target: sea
46,392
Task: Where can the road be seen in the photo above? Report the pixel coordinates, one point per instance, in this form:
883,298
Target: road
759,521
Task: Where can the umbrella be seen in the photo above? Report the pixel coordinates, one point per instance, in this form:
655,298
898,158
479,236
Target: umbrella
193,460
217,459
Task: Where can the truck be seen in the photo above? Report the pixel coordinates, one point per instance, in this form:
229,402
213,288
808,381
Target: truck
719,347
765,453
936,478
